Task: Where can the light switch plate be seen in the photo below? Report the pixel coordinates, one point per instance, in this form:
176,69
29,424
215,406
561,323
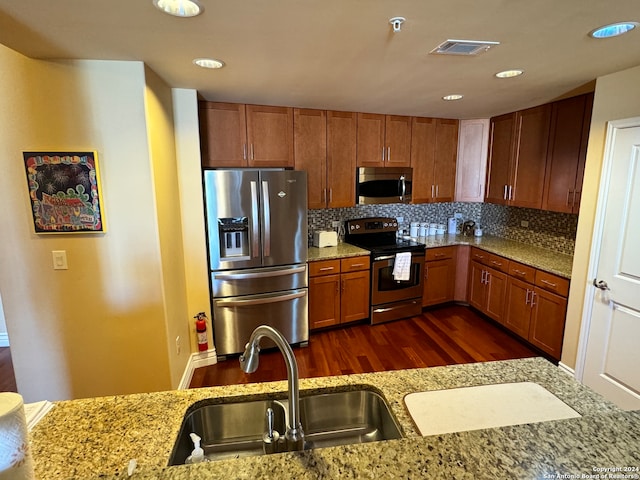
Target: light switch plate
59,259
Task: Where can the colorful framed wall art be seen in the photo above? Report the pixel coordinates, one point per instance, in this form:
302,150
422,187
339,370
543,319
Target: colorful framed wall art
64,189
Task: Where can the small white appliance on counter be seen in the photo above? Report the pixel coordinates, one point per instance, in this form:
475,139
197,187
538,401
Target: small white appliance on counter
324,238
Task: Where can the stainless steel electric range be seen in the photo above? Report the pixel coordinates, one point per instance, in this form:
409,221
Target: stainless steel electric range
391,298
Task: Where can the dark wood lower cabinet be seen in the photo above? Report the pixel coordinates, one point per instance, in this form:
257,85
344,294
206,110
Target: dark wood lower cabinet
487,289
439,276
547,322
338,291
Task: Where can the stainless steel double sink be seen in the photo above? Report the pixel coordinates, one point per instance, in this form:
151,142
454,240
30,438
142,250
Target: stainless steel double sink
232,430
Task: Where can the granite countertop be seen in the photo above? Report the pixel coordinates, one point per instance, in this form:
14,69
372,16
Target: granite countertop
96,438
547,260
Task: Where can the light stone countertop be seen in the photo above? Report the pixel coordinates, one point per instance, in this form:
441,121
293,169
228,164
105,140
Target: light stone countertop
96,438
547,260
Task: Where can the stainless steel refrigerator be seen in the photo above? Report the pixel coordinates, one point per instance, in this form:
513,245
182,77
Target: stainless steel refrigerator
257,240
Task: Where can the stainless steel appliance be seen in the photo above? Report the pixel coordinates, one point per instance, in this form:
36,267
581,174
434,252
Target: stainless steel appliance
391,299
257,240
383,185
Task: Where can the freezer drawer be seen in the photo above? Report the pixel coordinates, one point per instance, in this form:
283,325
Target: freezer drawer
232,283
236,317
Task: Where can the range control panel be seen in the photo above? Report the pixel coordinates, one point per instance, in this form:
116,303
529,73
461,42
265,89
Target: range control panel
371,225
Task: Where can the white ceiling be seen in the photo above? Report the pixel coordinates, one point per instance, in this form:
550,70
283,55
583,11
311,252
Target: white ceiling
342,54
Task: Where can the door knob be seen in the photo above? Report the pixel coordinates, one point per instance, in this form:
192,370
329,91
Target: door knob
602,285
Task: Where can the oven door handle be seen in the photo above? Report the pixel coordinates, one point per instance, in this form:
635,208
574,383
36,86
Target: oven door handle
392,257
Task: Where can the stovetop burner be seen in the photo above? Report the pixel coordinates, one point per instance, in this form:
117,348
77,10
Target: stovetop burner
378,234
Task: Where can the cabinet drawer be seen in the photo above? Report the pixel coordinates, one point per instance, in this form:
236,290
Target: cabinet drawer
479,255
353,264
553,283
442,253
498,262
522,272
324,267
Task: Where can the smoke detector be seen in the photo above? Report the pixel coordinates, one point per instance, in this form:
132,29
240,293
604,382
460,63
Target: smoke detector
397,23
463,47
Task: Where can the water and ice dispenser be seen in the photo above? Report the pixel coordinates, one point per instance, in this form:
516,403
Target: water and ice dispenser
234,237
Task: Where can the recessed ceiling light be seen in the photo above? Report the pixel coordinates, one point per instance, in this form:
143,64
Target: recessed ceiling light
509,73
208,63
613,29
455,96
179,8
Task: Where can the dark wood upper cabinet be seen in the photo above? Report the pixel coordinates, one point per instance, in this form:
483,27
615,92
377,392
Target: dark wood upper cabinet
434,149
238,135
501,144
383,140
310,152
341,159
570,122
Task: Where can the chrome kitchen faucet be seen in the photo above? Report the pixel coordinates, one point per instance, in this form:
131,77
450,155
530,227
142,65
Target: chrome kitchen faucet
294,436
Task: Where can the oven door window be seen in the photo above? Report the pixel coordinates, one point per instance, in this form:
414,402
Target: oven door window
386,282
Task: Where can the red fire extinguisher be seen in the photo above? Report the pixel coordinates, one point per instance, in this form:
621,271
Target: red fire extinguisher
201,331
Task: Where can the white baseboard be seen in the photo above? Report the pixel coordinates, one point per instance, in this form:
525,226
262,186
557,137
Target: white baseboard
4,339
197,360
566,369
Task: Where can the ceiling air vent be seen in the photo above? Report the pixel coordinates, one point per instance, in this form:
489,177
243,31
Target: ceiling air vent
463,47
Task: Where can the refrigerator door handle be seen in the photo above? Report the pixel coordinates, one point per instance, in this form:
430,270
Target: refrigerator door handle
266,247
261,301
255,227
249,276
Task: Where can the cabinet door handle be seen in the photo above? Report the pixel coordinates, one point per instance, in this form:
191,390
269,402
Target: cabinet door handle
324,190
383,154
252,157
330,195
482,276
526,298
488,278
388,154
432,191
573,201
244,151
510,191
533,296
504,194
568,195
426,272
343,283
437,190
551,284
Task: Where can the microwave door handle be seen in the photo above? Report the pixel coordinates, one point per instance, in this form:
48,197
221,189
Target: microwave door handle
403,188
255,227
266,247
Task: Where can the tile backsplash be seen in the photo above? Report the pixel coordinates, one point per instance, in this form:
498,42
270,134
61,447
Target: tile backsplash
549,230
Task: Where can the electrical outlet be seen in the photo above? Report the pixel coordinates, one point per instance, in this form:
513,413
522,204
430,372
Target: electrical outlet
178,345
400,219
524,223
335,224
457,216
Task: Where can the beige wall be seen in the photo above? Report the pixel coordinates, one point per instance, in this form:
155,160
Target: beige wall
159,114
101,327
617,96
186,126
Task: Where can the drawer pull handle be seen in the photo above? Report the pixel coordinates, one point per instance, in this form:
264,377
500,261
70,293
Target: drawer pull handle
324,269
357,265
519,272
496,263
551,284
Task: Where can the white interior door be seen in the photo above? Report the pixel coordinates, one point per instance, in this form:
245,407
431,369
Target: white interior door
611,330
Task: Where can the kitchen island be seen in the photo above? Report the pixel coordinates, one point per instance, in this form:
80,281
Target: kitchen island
96,438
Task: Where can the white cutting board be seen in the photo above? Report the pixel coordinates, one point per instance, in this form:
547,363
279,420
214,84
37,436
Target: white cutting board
485,406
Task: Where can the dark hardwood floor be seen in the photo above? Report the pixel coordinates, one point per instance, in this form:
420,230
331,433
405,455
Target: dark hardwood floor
443,336
7,377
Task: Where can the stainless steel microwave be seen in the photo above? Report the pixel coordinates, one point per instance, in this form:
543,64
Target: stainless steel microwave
383,185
